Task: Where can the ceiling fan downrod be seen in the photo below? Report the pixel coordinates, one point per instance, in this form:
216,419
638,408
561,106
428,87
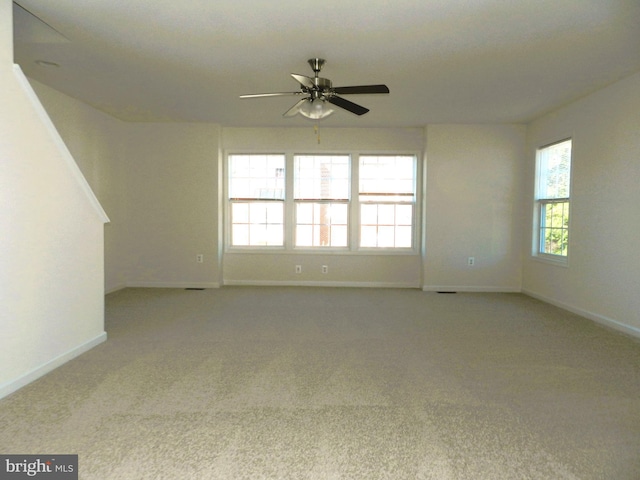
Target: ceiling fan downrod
320,84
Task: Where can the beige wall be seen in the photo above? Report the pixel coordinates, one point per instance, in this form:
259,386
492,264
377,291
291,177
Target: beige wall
157,182
602,279
161,183
473,207
98,144
354,268
51,245
171,185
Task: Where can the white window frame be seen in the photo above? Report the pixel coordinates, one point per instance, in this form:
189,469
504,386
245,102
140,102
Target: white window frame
390,199
542,202
259,199
321,199
353,246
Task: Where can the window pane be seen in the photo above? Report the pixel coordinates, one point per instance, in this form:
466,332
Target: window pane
368,236
258,213
240,212
387,175
275,213
274,235
339,214
304,236
320,220
256,176
404,215
257,223
386,215
554,170
321,177
386,236
240,235
404,237
257,234
547,215
554,233
304,213
339,236
386,225
564,242
368,214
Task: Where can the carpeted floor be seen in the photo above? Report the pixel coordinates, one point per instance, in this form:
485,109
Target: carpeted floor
324,383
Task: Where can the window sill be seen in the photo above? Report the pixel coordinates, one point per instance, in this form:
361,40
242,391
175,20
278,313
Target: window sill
558,261
319,251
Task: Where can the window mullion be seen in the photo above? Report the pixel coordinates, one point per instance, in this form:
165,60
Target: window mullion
354,204
289,204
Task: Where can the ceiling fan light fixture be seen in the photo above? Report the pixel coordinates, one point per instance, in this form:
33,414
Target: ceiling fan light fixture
316,109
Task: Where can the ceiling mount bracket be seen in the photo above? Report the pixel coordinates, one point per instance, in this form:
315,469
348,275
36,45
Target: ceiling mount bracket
316,64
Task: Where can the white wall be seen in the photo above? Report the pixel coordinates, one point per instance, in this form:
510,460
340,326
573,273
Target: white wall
51,246
602,279
473,208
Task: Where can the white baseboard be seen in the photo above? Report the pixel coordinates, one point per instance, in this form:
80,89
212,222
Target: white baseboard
14,385
601,319
312,283
470,289
114,289
173,284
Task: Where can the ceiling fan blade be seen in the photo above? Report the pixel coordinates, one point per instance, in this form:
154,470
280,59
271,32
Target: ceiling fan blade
347,105
361,89
295,109
276,94
304,80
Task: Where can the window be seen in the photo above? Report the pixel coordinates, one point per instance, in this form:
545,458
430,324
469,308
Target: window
553,179
321,194
256,198
387,199
300,201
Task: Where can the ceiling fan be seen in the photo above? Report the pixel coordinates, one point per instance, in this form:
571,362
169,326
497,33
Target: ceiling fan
320,96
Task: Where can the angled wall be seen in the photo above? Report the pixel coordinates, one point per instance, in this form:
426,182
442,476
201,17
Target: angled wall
51,246
602,278
98,144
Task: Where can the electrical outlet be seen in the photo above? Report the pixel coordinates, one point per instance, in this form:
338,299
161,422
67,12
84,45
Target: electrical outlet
325,268
471,261
298,268
200,258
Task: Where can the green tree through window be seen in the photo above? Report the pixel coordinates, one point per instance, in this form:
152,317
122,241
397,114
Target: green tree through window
552,199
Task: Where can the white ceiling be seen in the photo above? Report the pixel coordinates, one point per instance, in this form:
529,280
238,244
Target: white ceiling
445,61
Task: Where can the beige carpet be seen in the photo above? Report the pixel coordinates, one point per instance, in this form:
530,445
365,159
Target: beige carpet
324,383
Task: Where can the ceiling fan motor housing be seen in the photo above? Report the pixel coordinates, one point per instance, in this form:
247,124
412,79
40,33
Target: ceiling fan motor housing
321,84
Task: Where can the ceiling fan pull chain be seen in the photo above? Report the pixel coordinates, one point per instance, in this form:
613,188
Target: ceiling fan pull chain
316,129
